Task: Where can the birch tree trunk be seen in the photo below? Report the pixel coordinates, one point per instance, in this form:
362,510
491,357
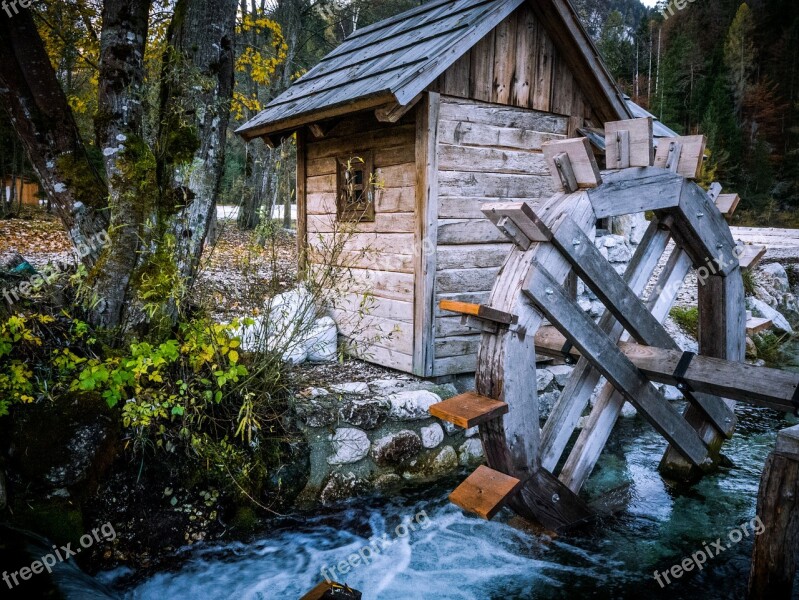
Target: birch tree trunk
129,162
196,100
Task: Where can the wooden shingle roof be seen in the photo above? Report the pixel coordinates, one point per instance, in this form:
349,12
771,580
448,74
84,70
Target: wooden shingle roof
393,61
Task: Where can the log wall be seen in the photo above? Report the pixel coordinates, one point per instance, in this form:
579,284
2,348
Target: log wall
486,153
379,256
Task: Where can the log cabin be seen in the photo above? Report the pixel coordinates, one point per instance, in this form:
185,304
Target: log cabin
407,128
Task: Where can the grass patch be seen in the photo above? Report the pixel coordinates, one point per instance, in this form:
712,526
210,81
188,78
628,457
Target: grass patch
749,282
687,319
769,346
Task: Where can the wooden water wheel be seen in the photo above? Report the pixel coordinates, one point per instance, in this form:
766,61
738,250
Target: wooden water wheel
628,346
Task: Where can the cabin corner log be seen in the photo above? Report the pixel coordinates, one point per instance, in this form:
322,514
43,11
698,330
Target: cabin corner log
774,556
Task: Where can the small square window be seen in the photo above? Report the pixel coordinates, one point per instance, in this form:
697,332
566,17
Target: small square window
355,188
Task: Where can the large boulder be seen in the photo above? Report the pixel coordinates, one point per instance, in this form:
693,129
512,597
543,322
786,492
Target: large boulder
349,446
432,435
761,309
321,342
366,414
412,406
396,449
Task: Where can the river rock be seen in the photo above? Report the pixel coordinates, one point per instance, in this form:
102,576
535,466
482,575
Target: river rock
366,414
562,373
450,428
354,387
446,460
340,486
471,452
386,387
545,404
472,431
762,309
396,449
81,454
349,444
779,276
316,413
543,379
412,406
432,435
628,411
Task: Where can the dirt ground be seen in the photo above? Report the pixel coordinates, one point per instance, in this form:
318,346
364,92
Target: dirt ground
236,275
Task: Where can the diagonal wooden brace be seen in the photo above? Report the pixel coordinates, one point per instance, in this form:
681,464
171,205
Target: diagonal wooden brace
607,358
626,307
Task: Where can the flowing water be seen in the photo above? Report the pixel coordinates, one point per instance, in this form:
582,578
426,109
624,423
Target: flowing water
453,556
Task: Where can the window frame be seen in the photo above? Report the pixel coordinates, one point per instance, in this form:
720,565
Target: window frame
362,210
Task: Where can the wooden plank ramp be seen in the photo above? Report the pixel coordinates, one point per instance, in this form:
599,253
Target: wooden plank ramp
469,409
485,492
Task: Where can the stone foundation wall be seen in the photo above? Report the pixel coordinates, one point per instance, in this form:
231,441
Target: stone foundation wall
379,436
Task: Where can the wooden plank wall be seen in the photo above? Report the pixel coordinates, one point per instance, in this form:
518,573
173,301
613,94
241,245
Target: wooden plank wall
380,255
517,65
486,153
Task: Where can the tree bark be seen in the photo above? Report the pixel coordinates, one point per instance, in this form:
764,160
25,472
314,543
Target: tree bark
41,117
201,40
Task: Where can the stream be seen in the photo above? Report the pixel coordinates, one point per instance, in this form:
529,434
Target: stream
440,553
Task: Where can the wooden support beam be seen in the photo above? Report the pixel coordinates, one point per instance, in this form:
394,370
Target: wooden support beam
319,130
755,325
722,334
570,405
507,372
608,406
629,143
636,190
393,112
468,410
513,233
626,307
606,357
774,555
581,160
563,167
760,386
702,232
714,191
426,234
485,492
750,256
602,279
480,311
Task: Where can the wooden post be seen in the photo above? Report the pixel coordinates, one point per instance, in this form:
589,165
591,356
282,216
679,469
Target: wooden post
302,202
426,234
774,555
